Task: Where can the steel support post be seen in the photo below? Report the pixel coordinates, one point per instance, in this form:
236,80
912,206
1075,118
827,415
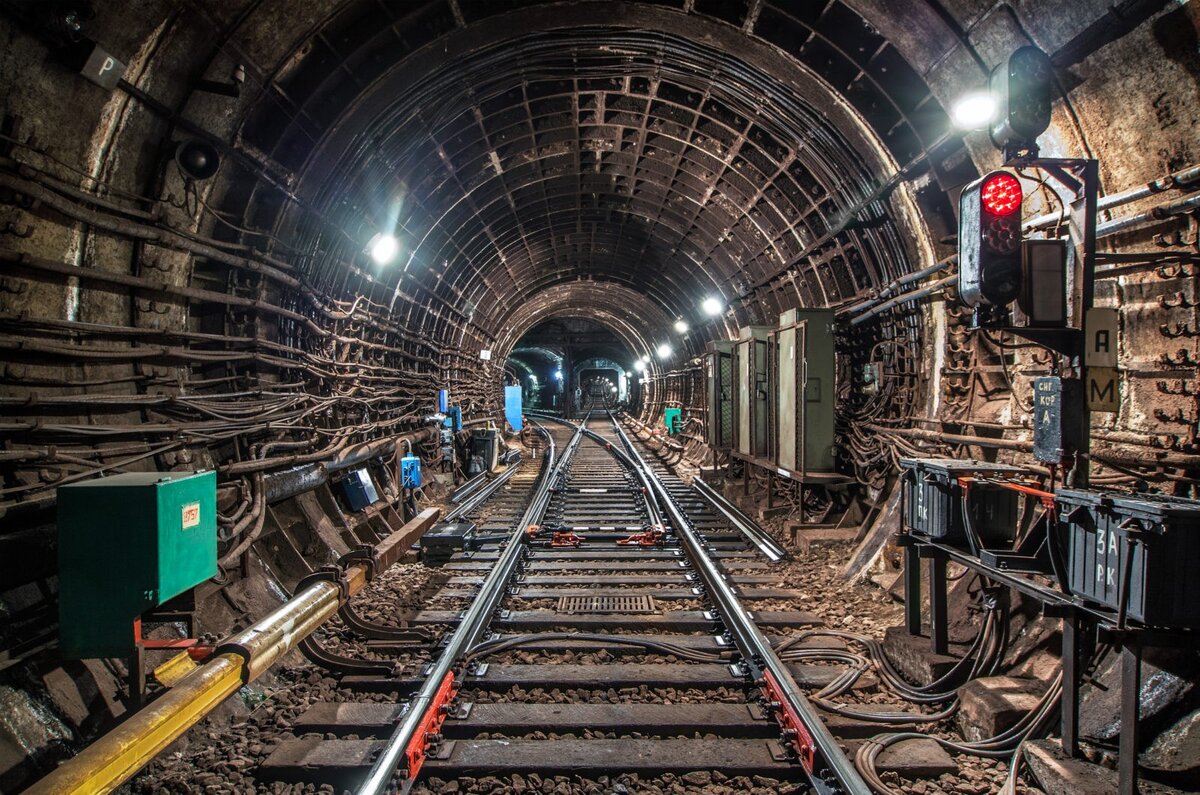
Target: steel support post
912,590
1131,697
1070,684
137,677
1083,232
938,629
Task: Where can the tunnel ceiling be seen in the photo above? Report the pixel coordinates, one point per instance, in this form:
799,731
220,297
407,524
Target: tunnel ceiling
675,153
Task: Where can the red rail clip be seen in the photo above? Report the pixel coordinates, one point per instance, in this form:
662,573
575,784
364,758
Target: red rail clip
789,720
568,539
201,653
192,645
430,725
651,537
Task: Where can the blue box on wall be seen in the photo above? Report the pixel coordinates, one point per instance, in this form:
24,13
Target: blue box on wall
512,407
410,472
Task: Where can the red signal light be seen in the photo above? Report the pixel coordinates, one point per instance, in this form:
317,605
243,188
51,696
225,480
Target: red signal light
1001,194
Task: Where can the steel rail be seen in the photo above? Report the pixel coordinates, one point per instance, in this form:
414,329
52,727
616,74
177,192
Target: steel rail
834,773
472,625
482,494
730,512
464,491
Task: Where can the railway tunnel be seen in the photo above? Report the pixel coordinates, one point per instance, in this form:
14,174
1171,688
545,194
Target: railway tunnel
589,396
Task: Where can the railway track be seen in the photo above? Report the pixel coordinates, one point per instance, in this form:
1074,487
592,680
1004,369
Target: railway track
614,622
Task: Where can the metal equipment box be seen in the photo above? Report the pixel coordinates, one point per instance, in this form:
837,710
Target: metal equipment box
933,500
444,539
718,370
410,472
359,489
128,543
1139,552
485,445
804,378
753,396
673,420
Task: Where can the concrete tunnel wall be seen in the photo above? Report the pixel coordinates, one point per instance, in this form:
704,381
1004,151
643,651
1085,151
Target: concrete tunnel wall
616,161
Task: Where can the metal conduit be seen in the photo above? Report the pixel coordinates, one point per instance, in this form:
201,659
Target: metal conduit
1174,180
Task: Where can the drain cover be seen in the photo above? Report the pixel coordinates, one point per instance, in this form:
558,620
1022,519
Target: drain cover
606,604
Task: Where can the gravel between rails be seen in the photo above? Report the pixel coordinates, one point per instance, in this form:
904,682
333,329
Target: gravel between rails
219,756
625,695
700,782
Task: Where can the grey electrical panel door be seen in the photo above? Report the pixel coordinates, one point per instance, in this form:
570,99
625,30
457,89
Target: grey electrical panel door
719,373
754,399
745,389
805,398
791,383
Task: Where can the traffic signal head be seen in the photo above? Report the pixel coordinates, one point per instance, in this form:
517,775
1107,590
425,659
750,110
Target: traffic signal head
989,240
1023,90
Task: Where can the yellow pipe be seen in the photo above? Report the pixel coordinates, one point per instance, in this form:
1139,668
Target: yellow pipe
292,622
107,763
114,758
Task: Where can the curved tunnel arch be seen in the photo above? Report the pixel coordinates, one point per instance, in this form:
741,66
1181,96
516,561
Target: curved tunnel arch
549,159
723,235
628,314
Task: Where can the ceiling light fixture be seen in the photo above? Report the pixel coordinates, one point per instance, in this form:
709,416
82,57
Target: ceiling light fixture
383,248
974,111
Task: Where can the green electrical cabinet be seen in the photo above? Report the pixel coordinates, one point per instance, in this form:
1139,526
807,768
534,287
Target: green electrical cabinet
126,544
673,419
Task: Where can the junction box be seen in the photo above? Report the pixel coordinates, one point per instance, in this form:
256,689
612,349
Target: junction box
126,544
445,539
410,472
1134,553
673,420
933,500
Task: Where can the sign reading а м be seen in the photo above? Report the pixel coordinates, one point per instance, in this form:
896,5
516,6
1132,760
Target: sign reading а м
1100,360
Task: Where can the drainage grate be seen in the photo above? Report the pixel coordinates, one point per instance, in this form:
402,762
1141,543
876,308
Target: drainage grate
606,604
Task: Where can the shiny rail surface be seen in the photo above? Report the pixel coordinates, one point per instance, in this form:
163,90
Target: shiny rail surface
582,495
